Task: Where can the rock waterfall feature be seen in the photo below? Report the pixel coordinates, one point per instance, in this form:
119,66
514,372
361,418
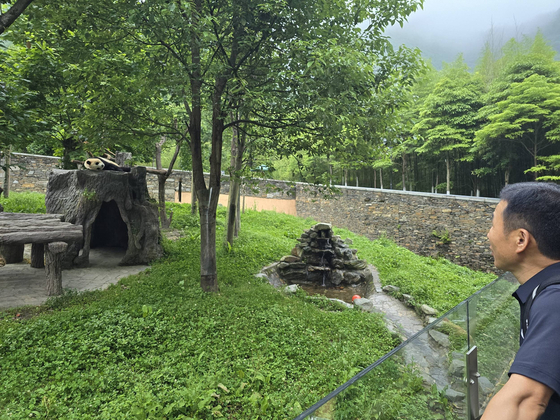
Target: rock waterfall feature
323,259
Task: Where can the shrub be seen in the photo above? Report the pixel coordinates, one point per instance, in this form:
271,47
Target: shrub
24,202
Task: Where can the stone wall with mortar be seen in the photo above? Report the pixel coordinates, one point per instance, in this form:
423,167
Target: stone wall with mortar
410,219
261,188
29,172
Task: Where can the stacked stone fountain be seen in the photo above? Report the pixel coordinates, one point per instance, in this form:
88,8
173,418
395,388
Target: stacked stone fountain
323,259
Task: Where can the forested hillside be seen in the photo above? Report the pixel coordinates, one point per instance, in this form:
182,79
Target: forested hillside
440,49
461,132
551,31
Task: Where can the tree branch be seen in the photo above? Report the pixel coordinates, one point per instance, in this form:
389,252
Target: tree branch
12,14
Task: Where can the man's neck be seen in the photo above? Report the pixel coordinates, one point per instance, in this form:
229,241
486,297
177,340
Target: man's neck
528,270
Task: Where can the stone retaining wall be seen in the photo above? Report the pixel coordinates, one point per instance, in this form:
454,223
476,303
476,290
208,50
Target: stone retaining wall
409,218
260,188
29,172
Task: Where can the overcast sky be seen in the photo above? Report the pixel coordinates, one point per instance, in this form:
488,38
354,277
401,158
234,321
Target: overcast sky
462,23
457,18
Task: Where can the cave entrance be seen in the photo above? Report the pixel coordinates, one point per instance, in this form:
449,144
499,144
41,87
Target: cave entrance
109,229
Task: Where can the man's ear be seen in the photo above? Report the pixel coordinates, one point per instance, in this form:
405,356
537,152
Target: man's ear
522,240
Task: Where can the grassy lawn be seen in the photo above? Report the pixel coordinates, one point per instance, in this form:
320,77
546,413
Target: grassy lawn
155,346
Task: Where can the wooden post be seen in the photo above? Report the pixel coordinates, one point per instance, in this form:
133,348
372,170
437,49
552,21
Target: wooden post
38,255
12,253
53,259
180,188
7,171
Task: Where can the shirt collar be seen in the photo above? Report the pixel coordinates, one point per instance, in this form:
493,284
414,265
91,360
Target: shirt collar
524,291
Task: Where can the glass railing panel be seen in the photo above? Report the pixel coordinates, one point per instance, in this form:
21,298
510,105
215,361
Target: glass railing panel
423,379
494,329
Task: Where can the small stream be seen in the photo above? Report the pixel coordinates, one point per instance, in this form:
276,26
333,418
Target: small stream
343,293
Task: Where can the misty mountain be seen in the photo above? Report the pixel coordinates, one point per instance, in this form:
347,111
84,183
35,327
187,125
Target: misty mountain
440,47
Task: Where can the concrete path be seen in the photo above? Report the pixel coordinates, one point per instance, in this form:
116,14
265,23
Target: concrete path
22,285
398,317
428,356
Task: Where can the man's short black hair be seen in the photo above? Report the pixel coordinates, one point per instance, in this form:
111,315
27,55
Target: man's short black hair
535,206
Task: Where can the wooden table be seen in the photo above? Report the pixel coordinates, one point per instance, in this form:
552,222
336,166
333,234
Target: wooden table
49,237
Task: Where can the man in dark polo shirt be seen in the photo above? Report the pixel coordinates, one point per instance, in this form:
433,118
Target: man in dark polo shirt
525,240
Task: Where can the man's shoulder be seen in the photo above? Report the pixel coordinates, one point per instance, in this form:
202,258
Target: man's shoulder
549,291
547,302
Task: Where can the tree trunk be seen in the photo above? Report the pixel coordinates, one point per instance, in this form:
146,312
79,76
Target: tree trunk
161,199
415,176
506,176
535,160
330,174
404,172
233,209
161,186
207,210
69,145
381,178
159,144
244,195
12,14
208,275
162,178
345,177
122,157
374,178
448,164
7,171
207,197
193,196
208,200
357,184
236,164
238,218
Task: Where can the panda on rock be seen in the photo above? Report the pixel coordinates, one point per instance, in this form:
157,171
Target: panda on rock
101,164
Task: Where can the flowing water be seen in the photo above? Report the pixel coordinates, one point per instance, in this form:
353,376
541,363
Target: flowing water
342,293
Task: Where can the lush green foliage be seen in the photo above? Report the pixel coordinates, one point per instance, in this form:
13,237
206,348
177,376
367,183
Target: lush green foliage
495,124
156,346
25,202
435,282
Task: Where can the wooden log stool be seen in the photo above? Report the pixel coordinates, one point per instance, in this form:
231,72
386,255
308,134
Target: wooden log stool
53,258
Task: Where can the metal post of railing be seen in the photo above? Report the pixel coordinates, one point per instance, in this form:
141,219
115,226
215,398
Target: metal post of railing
472,384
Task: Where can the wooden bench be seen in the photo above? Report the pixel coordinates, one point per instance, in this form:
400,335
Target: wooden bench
49,238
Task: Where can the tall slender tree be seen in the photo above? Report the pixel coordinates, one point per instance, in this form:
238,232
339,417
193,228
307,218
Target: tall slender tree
448,118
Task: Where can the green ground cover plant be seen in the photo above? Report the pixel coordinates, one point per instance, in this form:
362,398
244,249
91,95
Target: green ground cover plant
155,346
435,282
24,202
